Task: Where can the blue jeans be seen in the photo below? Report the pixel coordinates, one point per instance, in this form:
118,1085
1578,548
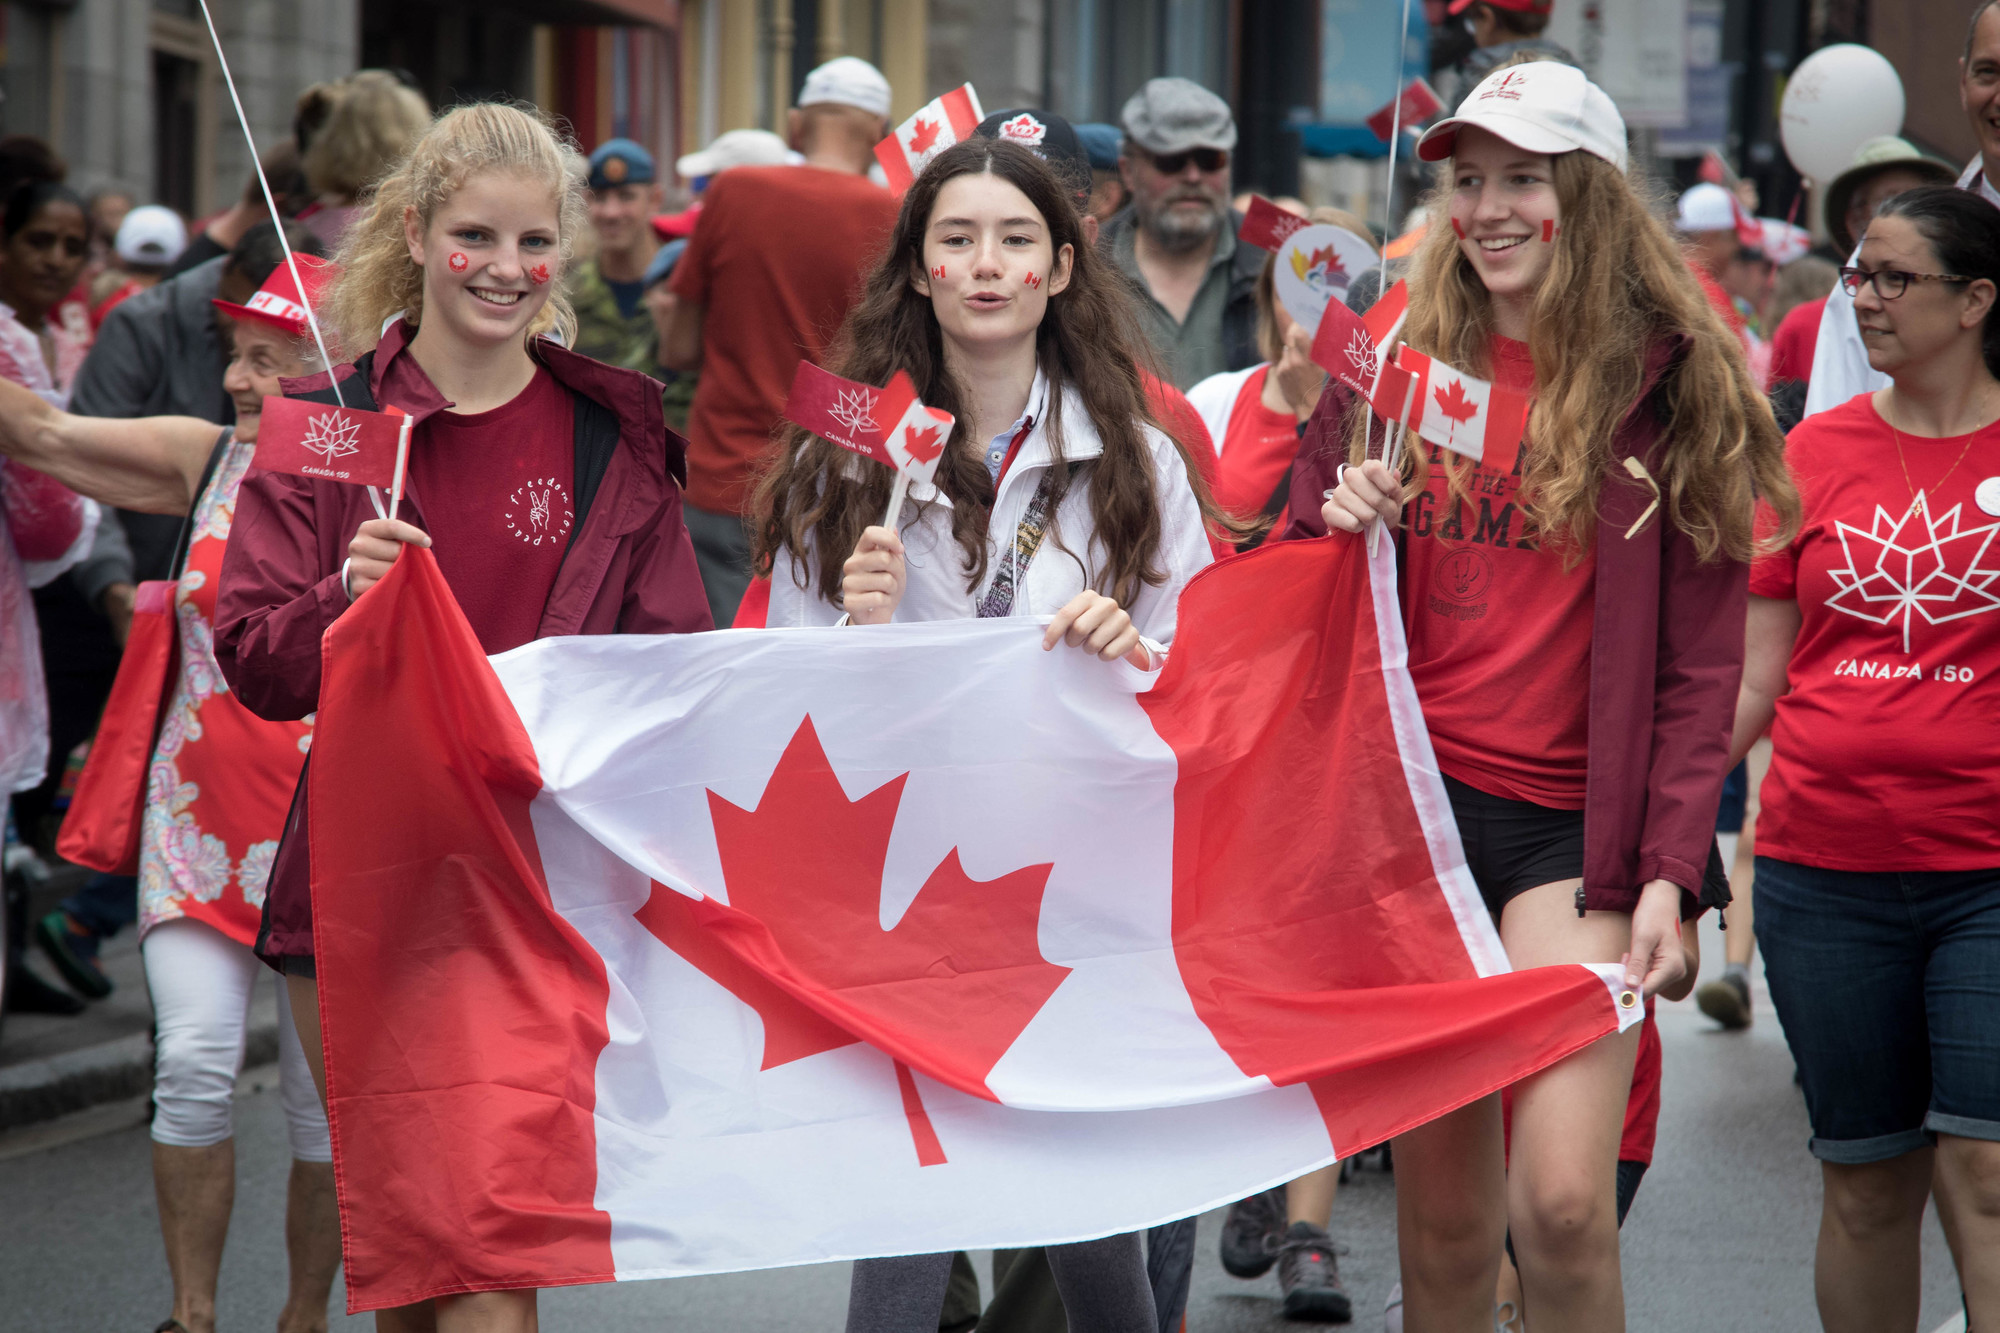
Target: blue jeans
105,905
1888,986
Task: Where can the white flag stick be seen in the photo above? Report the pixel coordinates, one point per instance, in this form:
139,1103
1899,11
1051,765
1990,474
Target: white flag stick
1392,447
402,463
896,496
277,218
1395,123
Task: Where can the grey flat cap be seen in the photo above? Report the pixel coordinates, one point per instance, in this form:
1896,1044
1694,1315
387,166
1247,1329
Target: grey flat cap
1169,115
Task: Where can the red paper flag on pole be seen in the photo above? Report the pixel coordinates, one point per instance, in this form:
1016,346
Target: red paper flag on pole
1420,102
1266,225
331,442
942,122
1468,415
890,425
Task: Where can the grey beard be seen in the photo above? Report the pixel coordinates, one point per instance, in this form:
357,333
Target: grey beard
1178,233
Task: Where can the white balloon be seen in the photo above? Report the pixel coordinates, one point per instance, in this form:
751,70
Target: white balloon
1837,99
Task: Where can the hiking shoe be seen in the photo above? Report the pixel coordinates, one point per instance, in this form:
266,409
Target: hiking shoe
1310,1278
74,954
1251,1232
1727,1001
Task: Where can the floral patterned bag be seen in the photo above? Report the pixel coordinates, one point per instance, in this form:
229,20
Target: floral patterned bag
102,828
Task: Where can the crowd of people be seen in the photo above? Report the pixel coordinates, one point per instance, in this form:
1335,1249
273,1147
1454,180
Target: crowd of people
1751,522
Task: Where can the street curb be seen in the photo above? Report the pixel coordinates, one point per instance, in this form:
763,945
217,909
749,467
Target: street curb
57,1085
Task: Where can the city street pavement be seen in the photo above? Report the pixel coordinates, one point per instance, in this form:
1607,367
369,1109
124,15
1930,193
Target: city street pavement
1720,1238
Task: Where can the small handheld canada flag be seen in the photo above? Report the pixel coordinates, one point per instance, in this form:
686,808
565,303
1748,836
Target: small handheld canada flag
331,442
942,122
890,425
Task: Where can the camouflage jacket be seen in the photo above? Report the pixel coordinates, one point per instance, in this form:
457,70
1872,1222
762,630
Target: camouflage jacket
605,335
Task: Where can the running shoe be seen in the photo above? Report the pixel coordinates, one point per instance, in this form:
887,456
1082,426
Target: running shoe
1251,1232
1727,1001
1309,1276
74,953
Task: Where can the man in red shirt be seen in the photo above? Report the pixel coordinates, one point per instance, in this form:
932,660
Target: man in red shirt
769,275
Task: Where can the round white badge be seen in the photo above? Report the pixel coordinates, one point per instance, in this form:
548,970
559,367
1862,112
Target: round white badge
1315,265
1987,496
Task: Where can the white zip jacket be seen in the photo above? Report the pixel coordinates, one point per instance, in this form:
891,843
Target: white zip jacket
937,590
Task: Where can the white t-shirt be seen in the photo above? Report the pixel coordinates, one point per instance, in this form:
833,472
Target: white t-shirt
1840,359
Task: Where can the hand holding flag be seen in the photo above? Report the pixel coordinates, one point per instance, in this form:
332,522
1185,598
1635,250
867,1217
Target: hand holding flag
942,122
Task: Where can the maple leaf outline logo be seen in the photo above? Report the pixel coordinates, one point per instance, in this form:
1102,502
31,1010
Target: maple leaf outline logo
1360,351
332,436
1894,573
854,409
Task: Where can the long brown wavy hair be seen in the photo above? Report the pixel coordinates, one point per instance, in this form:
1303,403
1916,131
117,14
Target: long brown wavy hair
1617,289
817,497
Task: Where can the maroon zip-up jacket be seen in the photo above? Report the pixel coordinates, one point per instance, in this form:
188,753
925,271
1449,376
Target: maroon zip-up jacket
629,567
1666,657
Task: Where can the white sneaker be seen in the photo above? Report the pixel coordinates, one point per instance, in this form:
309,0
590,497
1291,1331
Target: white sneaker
1392,1312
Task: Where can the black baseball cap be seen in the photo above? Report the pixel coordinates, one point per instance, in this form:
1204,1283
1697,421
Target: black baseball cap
1052,138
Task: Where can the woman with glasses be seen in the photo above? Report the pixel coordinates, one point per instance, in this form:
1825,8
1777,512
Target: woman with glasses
1874,643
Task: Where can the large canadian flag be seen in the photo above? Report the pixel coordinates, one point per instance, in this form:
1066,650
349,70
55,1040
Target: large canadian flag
641,957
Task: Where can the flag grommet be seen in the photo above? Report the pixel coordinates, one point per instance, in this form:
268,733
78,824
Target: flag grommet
1627,999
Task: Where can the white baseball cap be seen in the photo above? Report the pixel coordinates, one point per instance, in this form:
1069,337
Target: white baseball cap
849,81
1705,207
151,234
737,148
1542,106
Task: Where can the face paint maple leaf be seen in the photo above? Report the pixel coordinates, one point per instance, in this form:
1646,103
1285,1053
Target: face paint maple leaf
924,445
923,136
801,939
1457,405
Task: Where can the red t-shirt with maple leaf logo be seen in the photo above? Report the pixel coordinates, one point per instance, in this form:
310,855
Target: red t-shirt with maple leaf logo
1886,749
495,492
1499,628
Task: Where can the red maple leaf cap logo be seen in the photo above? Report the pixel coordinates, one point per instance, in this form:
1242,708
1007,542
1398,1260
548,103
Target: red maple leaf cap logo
923,135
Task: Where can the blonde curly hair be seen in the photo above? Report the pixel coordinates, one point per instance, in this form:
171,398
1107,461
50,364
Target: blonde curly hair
379,280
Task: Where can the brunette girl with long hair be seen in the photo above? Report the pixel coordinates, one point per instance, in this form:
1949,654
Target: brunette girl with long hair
1576,633
547,483
1057,495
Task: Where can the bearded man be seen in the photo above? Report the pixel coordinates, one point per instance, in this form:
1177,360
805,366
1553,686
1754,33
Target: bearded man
1176,239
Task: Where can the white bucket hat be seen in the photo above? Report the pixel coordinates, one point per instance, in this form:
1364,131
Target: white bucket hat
1542,106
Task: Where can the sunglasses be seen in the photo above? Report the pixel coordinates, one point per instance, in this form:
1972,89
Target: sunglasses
1205,159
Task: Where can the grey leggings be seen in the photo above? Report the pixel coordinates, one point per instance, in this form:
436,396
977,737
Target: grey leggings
1103,1285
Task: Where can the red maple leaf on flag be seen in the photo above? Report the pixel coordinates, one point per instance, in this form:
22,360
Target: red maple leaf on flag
924,445
958,977
1455,403
923,134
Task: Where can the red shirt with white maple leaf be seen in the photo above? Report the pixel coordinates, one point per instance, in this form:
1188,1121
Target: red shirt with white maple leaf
1499,627
1886,749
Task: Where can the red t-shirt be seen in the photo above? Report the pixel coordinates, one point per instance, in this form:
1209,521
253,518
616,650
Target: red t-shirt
1793,343
1499,629
776,262
495,490
1885,754
1258,445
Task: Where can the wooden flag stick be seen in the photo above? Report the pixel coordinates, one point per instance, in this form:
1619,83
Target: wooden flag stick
896,496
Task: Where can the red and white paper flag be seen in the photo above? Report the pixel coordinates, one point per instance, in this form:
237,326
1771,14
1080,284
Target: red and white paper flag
890,425
799,946
1419,103
332,442
1448,407
942,122
1348,346
1267,226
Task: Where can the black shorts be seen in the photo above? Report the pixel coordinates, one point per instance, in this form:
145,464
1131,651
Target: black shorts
1513,846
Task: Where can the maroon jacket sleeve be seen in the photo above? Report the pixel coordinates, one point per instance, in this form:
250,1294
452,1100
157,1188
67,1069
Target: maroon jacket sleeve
276,598
1699,668
1322,450
664,594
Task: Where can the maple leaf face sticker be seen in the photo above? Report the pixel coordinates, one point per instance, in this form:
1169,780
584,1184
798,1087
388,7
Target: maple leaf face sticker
960,975
1456,405
1921,564
923,138
853,409
332,436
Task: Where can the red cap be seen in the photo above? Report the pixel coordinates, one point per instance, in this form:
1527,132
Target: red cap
1518,6
677,226
277,301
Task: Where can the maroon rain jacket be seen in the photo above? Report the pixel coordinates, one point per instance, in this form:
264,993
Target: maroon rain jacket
1666,657
629,567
